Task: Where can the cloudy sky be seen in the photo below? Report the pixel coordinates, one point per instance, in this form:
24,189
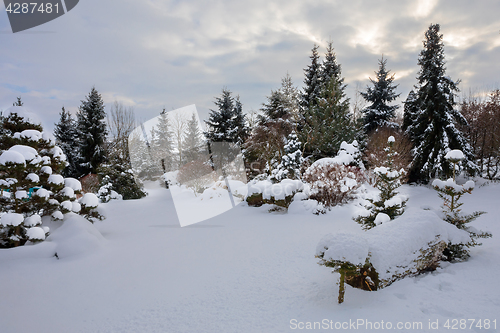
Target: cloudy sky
154,54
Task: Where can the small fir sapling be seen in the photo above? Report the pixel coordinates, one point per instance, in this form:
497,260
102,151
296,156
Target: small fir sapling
389,203
291,162
451,193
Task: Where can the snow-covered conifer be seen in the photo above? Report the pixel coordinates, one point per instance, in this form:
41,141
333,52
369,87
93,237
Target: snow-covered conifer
92,132
291,161
227,123
30,180
328,123
434,118
389,203
194,142
451,193
379,113
66,135
312,81
330,68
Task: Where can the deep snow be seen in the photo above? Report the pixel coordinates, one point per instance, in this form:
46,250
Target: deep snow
246,270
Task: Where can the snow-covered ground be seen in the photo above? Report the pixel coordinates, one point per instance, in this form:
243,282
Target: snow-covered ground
246,270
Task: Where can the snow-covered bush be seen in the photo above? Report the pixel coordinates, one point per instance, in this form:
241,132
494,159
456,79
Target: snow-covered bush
30,180
389,203
106,192
451,193
265,192
88,204
380,256
333,181
118,182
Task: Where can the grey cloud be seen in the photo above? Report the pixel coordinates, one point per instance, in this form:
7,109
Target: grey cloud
155,54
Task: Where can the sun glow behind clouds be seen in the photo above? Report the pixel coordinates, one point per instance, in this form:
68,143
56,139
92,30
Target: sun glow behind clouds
371,37
424,8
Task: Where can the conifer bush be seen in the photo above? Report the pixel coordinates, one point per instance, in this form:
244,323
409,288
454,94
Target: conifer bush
31,185
389,204
451,193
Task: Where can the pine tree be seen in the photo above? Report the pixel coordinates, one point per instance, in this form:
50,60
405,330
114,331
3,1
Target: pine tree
434,130
312,81
227,124
66,135
379,113
328,123
92,132
193,140
388,204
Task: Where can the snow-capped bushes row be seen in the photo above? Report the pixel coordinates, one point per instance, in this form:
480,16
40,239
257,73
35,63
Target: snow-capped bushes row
333,181
382,255
30,182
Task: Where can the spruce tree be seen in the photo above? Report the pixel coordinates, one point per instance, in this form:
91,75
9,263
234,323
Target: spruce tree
227,123
312,81
410,112
193,142
66,135
239,122
290,98
331,68
380,113
451,193
434,129
92,132
30,181
328,123
291,161
162,143
267,140
388,204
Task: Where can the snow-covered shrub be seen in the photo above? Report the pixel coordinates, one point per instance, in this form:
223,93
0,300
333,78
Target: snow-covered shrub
333,181
380,256
88,204
451,193
106,192
389,203
265,192
30,180
118,182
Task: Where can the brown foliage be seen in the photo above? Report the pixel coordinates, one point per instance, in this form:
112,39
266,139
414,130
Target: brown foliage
483,131
196,175
375,154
